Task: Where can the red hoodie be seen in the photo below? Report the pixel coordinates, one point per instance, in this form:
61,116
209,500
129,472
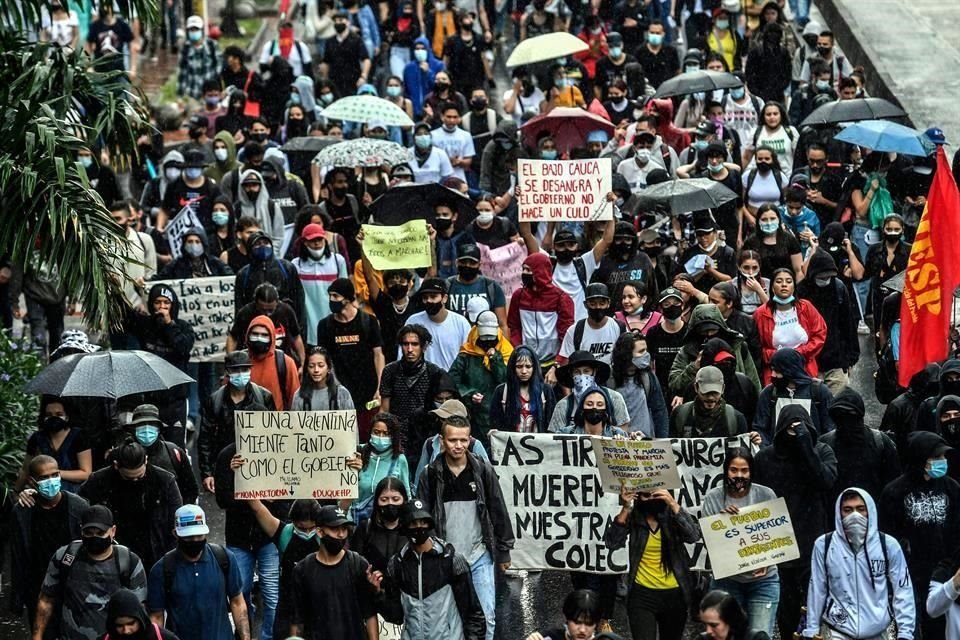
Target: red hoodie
264,371
539,316
670,134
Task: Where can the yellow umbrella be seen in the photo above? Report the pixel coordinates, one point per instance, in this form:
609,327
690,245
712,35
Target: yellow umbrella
546,47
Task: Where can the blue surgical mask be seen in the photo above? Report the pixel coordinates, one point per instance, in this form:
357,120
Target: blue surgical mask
304,535
715,168
193,250
738,93
938,469
642,361
219,154
295,98
786,300
394,91
691,68
49,487
769,228
380,444
615,52
823,85
194,35
548,154
700,145
700,96
220,218
655,39
723,24
326,98
86,161
193,173
420,55
147,434
239,380
423,141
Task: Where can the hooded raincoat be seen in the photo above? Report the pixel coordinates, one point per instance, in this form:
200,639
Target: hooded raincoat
266,370
219,169
539,316
418,82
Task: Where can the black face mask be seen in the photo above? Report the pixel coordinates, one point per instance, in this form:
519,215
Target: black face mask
478,104
764,167
565,257
672,313
336,306
252,194
949,388
824,51
258,137
53,424
191,548
389,512
527,280
258,347
339,27
653,252
596,314
296,128
397,291
95,545
340,192
418,535
780,384
595,416
432,308
333,545
441,86
739,485
892,238
467,274
488,343
951,430
621,251
442,224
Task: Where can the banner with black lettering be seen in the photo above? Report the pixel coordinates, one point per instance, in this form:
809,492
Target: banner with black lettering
558,507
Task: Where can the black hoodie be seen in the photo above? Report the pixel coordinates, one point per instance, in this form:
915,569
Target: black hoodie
866,458
173,341
923,514
900,414
125,604
841,350
925,418
281,273
185,267
803,472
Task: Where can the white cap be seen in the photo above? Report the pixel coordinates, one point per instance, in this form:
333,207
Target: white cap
190,521
475,306
194,22
487,325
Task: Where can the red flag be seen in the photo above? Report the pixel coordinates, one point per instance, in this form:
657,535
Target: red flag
932,274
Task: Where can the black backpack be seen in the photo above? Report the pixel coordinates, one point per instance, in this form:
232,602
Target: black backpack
580,327
121,557
753,176
685,412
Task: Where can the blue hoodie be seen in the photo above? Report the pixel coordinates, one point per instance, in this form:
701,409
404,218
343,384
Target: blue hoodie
796,224
417,83
856,602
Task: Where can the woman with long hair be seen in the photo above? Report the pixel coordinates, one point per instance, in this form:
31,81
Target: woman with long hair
524,403
754,288
725,619
777,133
634,379
788,321
756,591
382,457
378,538
635,315
763,183
60,440
777,247
319,389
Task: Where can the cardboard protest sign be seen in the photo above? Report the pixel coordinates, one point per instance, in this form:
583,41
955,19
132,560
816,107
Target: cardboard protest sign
403,247
573,190
184,221
389,630
558,510
206,304
642,465
295,454
758,536
503,265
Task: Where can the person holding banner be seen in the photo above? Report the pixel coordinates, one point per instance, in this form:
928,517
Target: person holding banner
758,591
660,586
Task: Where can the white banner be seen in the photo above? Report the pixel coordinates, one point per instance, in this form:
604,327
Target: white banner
206,304
574,190
185,220
758,536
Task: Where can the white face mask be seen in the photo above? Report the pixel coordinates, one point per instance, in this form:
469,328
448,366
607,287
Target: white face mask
643,156
221,154
485,217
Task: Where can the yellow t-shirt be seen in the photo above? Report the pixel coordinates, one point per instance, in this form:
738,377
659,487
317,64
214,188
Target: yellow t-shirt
650,572
726,46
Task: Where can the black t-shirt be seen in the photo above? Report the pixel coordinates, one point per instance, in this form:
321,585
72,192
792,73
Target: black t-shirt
615,275
237,260
830,186
200,199
726,262
343,60
332,601
659,66
109,41
49,530
664,348
498,235
391,321
608,71
466,63
726,214
345,223
351,346
284,320
774,256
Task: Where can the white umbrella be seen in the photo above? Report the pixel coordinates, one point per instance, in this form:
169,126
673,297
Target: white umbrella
545,47
367,108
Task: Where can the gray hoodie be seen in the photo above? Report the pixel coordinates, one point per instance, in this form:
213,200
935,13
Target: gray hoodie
265,210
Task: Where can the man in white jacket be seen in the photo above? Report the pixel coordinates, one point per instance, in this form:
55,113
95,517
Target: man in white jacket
859,582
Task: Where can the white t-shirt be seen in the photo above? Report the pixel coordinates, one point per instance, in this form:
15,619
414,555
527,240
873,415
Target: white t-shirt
599,342
781,142
434,169
524,103
448,336
764,188
457,144
742,118
60,31
787,331
635,174
565,277
299,55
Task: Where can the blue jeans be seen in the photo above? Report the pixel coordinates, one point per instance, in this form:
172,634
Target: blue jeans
483,573
801,11
858,236
759,599
267,561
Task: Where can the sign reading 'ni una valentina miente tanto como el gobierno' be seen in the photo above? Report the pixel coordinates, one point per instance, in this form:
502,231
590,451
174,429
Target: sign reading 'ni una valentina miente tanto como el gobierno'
574,190
295,454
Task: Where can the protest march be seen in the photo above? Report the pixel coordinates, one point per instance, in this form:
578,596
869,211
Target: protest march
472,321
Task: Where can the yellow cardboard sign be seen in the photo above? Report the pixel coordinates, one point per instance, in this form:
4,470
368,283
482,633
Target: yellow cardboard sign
404,247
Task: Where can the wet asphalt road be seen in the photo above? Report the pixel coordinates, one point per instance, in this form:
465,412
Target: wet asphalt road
524,604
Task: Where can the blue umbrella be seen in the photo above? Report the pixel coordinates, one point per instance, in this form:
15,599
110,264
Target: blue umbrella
883,135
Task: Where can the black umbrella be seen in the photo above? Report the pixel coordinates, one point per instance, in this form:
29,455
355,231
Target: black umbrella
410,201
301,151
853,111
107,374
683,196
696,81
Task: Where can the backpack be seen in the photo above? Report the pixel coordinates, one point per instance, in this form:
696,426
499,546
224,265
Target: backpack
885,384
121,558
305,62
488,283
169,561
756,134
581,327
685,412
283,272
173,452
332,401
886,573
281,360
753,176
815,394
754,100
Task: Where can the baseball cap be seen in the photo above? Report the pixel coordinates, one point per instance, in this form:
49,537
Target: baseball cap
312,231
451,408
468,251
98,517
722,356
649,235
190,520
935,135
333,516
433,285
194,22
597,290
703,221
475,306
614,39
194,158
706,128
487,325
415,510
709,380
376,124
564,236
237,360
670,292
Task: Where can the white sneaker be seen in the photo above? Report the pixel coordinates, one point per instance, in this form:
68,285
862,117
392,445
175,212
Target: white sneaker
862,328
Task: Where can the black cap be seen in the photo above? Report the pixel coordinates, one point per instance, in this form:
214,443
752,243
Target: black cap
433,285
706,128
333,516
564,236
703,221
97,516
415,510
236,360
597,290
468,251
194,158
644,135
195,122
614,39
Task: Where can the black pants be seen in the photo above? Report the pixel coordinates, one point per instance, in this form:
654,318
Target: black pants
653,610
604,585
793,596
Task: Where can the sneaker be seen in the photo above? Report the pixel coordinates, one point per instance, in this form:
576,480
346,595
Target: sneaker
862,328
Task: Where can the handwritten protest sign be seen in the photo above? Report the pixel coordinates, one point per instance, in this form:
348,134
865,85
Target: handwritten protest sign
642,465
565,190
403,247
758,536
183,222
206,304
558,509
295,454
388,630
503,265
